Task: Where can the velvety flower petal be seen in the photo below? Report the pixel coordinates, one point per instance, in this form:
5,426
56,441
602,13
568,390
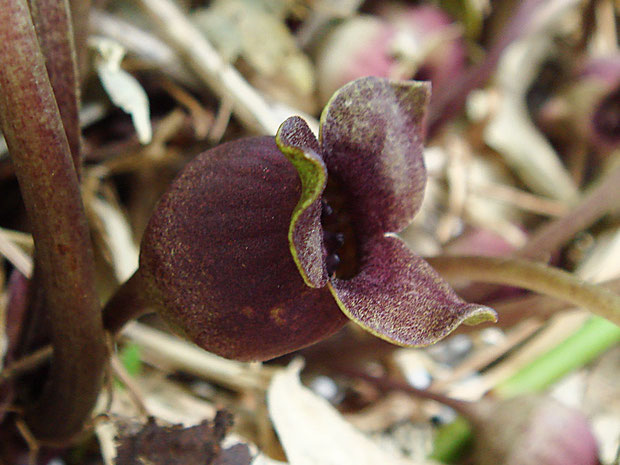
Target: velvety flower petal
398,297
372,138
305,234
217,261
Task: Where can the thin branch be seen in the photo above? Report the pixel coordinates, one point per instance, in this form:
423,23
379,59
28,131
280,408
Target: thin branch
584,345
602,199
133,388
384,383
27,363
151,50
226,81
536,277
37,143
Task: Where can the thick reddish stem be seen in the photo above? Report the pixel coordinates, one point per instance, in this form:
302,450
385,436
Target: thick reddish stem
35,135
52,21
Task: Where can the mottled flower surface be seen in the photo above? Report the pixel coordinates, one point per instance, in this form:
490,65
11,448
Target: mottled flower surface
262,246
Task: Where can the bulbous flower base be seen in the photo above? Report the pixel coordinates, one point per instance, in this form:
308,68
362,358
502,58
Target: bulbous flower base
216,261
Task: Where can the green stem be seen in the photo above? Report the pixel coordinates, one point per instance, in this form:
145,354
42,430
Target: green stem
452,441
594,337
36,138
536,277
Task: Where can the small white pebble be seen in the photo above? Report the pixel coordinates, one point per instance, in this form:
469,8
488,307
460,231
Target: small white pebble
492,336
460,344
480,104
56,461
419,378
326,388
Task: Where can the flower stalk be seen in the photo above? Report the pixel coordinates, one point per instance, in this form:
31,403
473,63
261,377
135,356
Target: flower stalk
52,22
31,123
536,277
127,303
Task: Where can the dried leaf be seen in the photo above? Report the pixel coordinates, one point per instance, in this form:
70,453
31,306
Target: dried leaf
122,88
601,262
313,432
4,150
245,29
511,132
117,237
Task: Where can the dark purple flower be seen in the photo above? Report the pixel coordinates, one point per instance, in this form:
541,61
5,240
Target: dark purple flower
260,247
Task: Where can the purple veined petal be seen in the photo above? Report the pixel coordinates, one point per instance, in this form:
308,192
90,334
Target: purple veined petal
372,133
398,297
301,148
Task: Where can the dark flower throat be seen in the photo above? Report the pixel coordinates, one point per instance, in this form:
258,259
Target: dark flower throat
338,233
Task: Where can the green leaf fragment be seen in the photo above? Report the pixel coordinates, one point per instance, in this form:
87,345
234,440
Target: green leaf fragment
131,359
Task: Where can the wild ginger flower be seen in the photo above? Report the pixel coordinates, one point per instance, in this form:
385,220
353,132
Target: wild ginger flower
261,246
